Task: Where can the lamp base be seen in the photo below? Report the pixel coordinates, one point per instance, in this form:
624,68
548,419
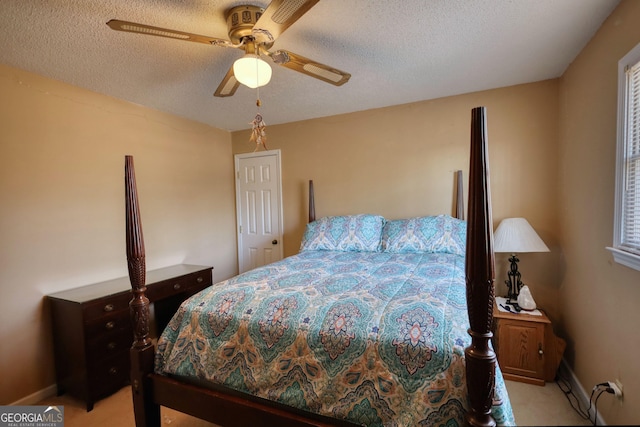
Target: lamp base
513,283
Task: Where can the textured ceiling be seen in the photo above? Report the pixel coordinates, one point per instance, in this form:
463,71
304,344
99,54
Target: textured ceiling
397,51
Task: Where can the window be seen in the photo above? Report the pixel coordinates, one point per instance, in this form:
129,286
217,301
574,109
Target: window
626,240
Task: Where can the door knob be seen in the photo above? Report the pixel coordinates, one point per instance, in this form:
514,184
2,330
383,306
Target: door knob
274,242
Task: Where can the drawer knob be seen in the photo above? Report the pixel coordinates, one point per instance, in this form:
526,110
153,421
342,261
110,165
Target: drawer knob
540,351
111,346
108,307
113,370
110,325
200,279
177,286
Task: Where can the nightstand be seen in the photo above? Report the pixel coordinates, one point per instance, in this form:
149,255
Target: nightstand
92,329
527,349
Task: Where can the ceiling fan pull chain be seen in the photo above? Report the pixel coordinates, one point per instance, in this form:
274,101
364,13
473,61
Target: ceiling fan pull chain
258,103
258,133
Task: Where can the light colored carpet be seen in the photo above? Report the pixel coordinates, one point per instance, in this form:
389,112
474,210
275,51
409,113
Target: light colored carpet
115,411
532,405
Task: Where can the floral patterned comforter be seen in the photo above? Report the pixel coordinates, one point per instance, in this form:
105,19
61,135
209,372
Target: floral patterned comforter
371,337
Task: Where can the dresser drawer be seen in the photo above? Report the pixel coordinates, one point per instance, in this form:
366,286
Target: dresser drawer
110,374
107,306
110,343
190,284
106,324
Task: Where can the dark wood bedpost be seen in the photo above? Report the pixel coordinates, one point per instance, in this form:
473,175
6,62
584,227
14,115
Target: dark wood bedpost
312,203
480,358
142,350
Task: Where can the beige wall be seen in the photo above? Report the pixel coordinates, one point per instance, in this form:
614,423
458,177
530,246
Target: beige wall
598,298
62,205
400,162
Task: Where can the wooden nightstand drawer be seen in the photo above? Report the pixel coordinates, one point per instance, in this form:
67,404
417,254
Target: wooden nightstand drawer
520,345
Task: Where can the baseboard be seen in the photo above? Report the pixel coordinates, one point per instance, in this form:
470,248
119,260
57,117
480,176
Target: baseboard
36,397
583,397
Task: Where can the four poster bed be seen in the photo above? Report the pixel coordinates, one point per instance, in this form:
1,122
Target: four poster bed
367,325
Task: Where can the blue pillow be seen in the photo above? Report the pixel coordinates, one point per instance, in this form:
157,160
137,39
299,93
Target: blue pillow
344,233
430,234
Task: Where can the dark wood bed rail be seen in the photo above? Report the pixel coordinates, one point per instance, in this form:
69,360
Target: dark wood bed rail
151,390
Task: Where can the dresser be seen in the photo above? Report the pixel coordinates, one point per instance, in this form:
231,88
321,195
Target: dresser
526,347
92,329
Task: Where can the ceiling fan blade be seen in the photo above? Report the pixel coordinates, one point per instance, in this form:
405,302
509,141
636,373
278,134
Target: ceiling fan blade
279,16
228,85
311,68
133,27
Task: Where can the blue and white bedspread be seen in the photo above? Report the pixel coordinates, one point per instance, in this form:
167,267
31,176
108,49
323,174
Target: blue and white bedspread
372,337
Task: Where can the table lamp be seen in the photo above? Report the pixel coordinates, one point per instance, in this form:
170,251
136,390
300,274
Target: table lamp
515,235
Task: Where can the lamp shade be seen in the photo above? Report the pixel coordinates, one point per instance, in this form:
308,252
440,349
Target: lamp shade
252,71
515,235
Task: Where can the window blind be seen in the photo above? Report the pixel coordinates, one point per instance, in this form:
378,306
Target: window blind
630,239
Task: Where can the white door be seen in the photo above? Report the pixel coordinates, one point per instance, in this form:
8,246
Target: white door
259,209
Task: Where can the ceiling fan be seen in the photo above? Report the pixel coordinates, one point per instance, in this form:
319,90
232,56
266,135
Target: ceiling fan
254,30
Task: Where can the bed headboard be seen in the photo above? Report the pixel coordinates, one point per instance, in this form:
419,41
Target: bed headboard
458,207
312,203
459,201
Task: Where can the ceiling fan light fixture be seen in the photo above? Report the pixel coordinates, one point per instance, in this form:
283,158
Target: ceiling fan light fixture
254,30
252,71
